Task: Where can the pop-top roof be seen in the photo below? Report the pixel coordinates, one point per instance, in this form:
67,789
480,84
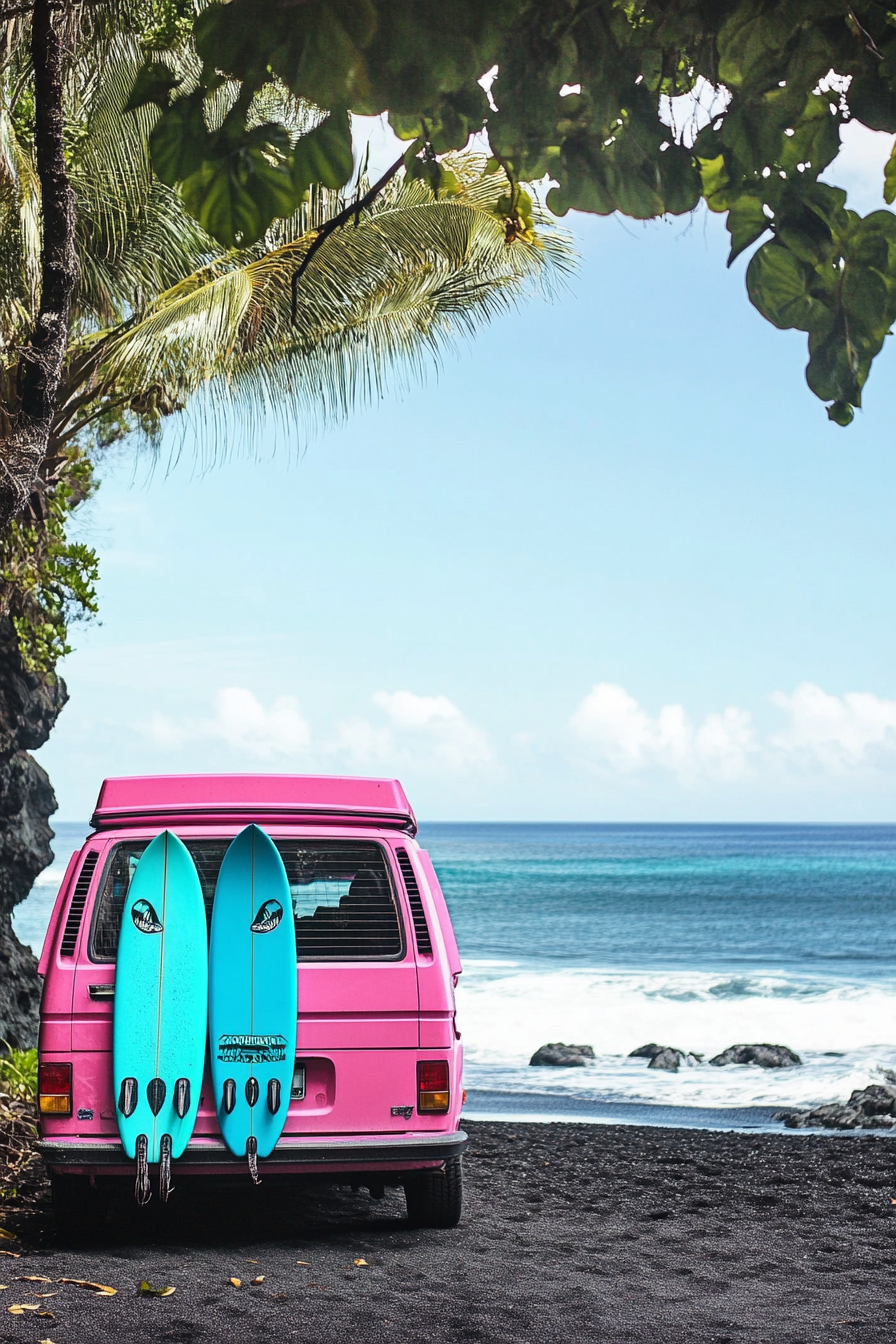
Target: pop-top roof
337,799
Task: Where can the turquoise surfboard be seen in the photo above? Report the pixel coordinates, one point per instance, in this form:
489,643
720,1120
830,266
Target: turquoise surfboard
161,1005
252,996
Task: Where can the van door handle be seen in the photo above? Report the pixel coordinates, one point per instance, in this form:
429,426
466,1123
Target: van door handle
101,991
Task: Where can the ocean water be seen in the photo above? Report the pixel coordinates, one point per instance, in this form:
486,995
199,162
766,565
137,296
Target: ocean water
699,937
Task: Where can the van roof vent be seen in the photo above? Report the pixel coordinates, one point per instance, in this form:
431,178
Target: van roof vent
421,932
76,909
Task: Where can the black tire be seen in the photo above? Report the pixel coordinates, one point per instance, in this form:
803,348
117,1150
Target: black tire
436,1198
79,1208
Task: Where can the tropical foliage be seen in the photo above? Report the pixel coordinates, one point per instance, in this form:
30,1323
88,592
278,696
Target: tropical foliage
164,321
641,106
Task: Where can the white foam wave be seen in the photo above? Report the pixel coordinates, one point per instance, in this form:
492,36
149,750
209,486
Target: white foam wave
844,1031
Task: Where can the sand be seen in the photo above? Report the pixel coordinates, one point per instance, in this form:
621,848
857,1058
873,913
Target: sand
570,1232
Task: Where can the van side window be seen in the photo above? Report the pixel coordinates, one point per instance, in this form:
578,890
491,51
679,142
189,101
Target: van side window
342,895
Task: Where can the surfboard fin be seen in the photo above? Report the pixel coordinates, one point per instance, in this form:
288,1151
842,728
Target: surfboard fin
252,1091
228,1096
155,1094
273,1095
182,1096
252,1155
127,1097
142,1188
165,1186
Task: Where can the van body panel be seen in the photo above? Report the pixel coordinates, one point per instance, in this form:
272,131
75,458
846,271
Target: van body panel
362,1024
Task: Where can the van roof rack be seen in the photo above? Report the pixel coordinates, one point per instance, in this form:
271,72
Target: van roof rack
337,800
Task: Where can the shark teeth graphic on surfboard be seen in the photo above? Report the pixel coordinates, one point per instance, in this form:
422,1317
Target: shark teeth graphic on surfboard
161,1004
252,995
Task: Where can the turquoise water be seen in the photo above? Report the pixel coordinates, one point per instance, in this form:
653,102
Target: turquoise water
698,937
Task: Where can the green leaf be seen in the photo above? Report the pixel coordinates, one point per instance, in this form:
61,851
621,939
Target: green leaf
841,413
236,195
746,222
180,142
324,155
153,84
890,177
777,286
716,183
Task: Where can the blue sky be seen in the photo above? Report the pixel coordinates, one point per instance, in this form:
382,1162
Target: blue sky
611,563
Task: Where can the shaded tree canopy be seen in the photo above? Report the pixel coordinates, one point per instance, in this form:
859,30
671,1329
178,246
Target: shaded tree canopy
583,93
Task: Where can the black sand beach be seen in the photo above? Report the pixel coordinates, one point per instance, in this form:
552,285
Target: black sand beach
591,1232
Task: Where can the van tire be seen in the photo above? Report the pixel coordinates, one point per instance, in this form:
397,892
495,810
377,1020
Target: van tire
79,1208
435,1198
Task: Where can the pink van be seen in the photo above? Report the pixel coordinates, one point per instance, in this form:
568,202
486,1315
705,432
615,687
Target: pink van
376,1094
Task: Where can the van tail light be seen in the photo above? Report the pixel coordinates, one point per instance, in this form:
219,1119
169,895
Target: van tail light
54,1089
433,1096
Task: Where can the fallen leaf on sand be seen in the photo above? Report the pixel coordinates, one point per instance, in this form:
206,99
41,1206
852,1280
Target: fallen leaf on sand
13,1255
102,1288
33,1278
145,1289
7,1236
18,1307
56,1294
259,1279
360,1262
45,1341
3,1287
303,1262
237,1283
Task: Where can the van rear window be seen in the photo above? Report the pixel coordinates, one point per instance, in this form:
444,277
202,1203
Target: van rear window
342,894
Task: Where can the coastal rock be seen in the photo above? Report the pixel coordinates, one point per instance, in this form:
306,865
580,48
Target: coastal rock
872,1107
29,707
667,1057
561,1056
766,1056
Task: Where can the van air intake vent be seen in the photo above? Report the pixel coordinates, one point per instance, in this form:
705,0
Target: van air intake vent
424,942
76,909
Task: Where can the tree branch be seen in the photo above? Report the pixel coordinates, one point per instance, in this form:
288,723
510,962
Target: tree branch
40,366
353,210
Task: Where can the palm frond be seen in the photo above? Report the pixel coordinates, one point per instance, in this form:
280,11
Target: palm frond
377,307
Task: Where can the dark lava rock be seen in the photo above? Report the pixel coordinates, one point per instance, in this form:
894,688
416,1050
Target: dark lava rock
766,1056
664,1056
668,1058
872,1107
562,1056
29,707
648,1051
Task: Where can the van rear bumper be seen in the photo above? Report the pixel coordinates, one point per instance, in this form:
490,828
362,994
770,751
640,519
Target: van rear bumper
377,1152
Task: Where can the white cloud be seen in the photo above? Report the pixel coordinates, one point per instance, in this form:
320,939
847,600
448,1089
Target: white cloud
840,732
426,731
618,733
242,723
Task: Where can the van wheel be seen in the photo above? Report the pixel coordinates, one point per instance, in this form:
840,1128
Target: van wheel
79,1208
435,1198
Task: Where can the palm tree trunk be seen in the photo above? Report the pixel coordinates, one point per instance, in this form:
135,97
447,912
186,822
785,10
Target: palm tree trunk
24,447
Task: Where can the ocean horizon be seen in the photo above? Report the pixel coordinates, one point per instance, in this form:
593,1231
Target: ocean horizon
613,935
